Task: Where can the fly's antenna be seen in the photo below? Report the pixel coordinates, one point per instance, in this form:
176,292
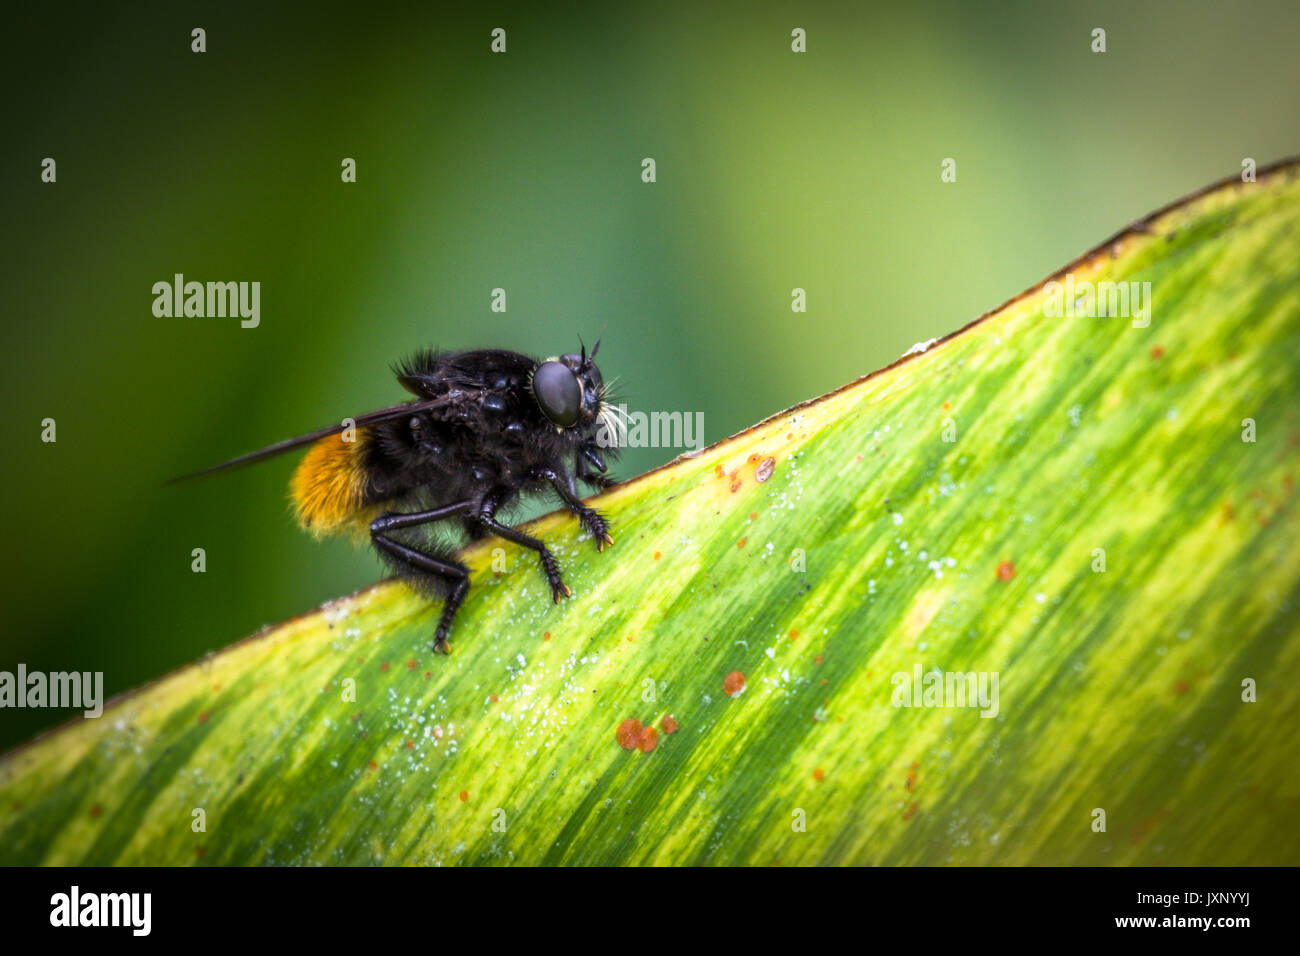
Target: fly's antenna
596,348
588,359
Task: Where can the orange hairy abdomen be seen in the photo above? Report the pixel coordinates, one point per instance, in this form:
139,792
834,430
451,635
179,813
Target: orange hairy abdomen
328,489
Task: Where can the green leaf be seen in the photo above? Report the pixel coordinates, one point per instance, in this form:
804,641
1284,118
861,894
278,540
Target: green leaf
818,554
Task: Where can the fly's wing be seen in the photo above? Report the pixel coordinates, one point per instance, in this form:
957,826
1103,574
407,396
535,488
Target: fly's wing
371,418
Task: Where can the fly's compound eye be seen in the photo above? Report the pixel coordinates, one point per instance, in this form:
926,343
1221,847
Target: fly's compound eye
557,392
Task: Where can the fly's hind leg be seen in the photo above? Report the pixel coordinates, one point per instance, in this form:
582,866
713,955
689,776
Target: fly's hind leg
424,570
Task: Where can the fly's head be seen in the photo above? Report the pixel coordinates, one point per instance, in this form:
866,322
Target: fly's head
573,396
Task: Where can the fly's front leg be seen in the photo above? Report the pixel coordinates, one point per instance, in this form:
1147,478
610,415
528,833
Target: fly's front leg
590,467
566,487
486,517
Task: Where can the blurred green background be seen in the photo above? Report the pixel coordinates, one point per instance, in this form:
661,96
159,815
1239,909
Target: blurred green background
522,171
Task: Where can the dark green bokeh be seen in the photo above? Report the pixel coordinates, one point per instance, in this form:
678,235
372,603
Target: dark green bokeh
522,171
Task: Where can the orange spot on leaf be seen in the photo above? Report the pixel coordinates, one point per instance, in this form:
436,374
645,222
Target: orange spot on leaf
629,734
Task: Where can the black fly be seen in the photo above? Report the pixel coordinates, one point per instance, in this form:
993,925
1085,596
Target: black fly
486,427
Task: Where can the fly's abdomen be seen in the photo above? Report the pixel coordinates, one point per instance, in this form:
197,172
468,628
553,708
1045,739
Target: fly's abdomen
329,486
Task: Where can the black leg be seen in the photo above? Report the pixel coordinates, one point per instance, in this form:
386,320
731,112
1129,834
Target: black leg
591,519
392,521
590,456
590,467
424,568
487,520
599,481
